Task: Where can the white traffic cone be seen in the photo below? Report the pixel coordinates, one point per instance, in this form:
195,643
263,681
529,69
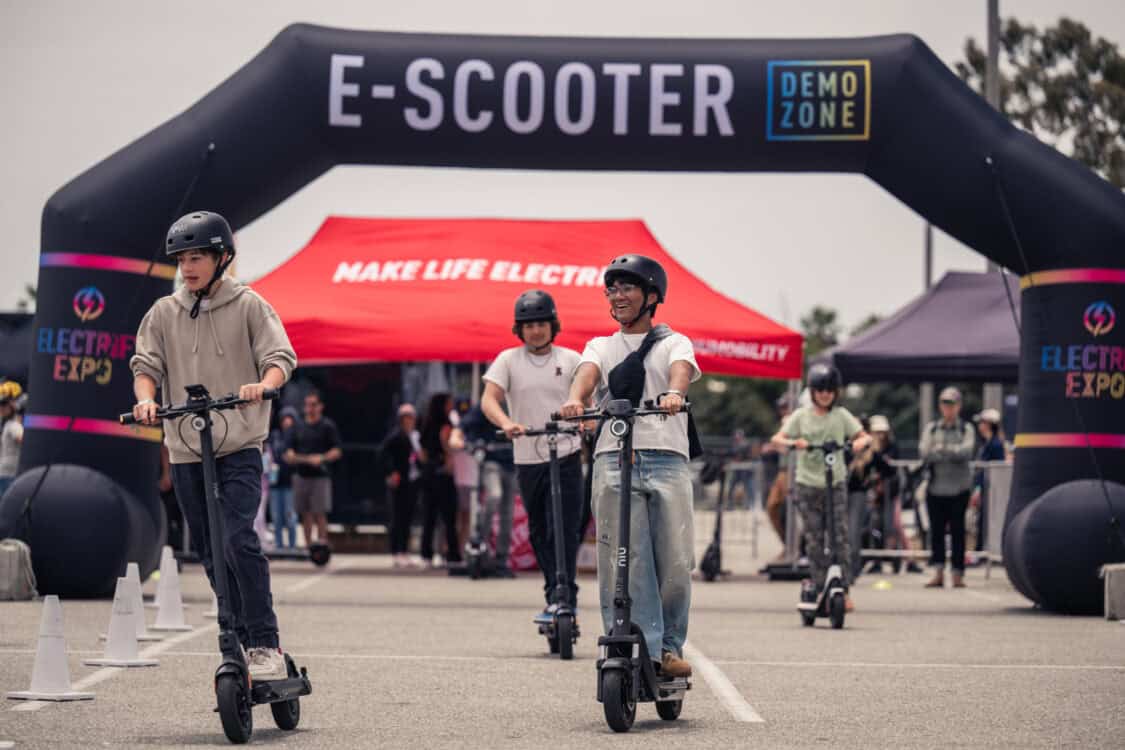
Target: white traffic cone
167,557
213,613
121,646
50,678
133,573
170,615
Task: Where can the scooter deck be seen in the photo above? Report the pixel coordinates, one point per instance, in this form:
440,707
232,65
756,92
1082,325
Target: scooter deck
672,689
273,691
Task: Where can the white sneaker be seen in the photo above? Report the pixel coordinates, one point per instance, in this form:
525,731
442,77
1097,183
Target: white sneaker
267,664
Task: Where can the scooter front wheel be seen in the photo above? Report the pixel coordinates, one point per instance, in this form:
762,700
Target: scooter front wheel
617,700
836,610
233,696
565,631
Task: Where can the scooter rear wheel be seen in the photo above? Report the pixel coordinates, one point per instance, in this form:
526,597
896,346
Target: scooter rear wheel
808,618
565,630
320,554
617,701
836,611
233,697
669,710
287,714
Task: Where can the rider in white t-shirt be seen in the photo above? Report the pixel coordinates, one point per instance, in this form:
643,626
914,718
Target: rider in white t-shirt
534,379
661,555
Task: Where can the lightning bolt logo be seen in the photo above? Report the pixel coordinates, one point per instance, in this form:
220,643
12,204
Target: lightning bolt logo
1100,318
89,304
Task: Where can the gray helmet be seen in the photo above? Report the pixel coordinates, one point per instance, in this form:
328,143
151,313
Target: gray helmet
534,305
650,273
199,230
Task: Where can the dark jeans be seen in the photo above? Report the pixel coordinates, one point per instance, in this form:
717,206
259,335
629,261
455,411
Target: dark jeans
535,489
440,499
402,514
948,510
247,569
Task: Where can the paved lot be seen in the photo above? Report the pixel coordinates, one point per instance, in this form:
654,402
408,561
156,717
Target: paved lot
429,661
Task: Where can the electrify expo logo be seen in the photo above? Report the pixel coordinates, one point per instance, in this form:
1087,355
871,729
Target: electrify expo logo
89,304
1099,318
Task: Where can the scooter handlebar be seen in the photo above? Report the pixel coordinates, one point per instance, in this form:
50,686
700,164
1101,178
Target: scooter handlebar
649,409
229,401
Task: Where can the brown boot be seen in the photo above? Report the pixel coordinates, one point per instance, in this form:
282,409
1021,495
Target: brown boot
937,582
673,666
958,580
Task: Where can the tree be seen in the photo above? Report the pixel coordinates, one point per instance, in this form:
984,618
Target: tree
1064,86
821,329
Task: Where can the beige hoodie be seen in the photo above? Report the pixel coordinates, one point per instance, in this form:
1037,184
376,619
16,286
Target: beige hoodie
235,338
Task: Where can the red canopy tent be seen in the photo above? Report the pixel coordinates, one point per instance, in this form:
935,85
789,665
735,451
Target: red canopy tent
368,290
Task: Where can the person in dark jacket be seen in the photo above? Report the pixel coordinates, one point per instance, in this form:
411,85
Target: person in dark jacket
400,453
991,449
439,494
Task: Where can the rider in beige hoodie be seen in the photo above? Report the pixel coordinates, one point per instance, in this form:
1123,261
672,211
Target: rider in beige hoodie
220,334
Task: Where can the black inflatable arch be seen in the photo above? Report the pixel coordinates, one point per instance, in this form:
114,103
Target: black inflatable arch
316,97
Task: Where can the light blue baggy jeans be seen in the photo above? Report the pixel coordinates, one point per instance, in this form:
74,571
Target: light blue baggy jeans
661,539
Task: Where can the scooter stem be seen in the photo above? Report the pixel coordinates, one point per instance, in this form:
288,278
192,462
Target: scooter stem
562,584
213,493
622,604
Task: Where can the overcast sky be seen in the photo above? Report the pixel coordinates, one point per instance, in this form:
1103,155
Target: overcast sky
81,79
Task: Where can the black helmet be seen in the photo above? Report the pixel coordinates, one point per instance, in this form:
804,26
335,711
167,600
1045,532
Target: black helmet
650,273
200,230
534,305
824,377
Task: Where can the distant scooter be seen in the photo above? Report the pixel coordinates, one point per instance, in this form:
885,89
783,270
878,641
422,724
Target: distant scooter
562,629
234,692
625,670
830,601
478,559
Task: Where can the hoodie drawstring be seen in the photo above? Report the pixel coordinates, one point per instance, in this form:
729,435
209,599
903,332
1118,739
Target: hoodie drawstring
195,344
214,333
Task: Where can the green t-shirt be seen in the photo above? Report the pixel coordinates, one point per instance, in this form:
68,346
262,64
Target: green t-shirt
838,424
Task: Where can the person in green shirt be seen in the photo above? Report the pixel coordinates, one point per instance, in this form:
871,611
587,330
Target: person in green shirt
824,420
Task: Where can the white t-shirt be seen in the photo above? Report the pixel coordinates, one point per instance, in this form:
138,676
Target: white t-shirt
655,432
534,387
10,447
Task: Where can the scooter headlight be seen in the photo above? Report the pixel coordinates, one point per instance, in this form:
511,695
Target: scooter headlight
618,428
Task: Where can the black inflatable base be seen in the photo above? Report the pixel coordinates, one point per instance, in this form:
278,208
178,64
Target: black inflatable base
83,529
1055,547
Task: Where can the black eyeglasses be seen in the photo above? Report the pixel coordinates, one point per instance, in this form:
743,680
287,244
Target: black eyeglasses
949,402
621,289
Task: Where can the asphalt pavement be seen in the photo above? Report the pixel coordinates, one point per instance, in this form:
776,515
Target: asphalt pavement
425,660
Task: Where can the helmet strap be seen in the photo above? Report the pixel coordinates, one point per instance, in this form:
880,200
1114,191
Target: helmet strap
220,269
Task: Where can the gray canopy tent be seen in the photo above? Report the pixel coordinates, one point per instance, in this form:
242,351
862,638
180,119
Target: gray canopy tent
961,329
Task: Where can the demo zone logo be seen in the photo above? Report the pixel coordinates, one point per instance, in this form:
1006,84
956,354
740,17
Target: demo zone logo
1099,318
89,304
818,100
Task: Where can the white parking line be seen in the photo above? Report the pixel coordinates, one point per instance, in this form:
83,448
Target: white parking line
913,665
308,582
721,686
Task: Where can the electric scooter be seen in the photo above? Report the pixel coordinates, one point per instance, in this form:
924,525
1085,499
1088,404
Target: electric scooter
711,566
478,560
562,628
830,601
234,692
626,674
